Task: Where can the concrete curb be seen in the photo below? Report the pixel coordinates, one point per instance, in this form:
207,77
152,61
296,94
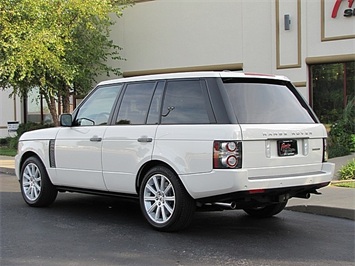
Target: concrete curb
323,210
8,171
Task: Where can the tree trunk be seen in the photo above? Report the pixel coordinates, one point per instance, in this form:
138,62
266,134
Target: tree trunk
65,100
51,102
53,111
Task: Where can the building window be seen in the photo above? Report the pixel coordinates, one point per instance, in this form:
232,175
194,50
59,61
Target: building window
37,110
332,87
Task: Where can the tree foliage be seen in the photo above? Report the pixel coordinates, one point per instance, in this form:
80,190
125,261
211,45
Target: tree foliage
56,45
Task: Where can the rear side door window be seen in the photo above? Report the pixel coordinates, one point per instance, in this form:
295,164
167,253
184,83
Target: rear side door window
185,102
135,103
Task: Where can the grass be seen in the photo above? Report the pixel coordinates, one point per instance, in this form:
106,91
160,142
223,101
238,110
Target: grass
7,151
348,184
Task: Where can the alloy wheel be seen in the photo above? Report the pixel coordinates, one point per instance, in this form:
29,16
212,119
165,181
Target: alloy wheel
159,198
31,182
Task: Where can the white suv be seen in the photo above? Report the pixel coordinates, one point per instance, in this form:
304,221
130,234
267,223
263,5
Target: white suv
182,142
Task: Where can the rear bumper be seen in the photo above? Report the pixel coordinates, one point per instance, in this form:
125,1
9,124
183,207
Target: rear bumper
224,182
244,199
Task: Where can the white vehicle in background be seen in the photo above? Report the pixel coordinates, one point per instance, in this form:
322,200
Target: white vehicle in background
181,142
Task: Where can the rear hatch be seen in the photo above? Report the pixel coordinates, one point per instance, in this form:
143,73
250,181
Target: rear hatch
281,134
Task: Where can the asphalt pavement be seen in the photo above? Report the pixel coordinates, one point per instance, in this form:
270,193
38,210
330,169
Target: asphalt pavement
334,201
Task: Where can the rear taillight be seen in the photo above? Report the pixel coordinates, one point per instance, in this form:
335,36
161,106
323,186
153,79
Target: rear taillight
227,154
325,150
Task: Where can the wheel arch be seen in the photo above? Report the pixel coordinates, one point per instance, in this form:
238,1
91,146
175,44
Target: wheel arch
27,155
43,193
146,167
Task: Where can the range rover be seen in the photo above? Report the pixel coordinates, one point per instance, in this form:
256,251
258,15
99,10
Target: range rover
182,142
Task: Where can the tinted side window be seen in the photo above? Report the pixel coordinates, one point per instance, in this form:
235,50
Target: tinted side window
184,103
97,108
135,103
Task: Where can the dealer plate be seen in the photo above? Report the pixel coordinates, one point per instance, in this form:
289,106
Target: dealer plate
287,147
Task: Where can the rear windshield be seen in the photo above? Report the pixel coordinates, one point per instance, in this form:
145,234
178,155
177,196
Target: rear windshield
265,103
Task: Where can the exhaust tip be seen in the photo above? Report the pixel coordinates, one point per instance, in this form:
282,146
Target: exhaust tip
232,205
303,195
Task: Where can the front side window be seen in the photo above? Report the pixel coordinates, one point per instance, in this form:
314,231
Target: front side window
97,108
185,103
266,103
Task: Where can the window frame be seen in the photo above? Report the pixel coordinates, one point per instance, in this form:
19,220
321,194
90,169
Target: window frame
109,121
165,82
206,97
290,87
120,100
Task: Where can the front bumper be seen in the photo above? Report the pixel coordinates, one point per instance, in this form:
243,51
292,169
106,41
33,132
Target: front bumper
17,166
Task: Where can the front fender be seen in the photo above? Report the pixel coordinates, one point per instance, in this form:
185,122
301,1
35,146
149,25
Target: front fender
38,148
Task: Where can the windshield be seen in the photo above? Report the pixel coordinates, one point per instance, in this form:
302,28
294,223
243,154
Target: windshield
265,103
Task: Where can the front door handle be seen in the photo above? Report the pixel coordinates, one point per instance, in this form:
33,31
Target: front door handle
145,139
95,139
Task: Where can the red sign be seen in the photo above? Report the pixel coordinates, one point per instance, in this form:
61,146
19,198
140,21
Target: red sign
347,12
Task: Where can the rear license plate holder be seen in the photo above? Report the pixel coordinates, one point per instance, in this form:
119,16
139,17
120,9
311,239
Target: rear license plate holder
287,147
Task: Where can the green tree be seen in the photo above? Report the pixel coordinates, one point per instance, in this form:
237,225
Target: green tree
57,46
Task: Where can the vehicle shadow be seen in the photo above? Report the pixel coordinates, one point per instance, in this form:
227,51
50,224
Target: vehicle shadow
227,224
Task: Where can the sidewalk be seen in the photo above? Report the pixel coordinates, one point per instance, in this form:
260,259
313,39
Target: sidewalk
7,165
334,201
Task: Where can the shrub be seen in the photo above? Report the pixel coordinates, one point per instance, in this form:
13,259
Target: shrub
5,141
347,172
341,133
352,143
337,150
11,142
29,126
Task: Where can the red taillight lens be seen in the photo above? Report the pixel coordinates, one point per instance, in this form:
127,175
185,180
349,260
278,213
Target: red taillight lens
227,154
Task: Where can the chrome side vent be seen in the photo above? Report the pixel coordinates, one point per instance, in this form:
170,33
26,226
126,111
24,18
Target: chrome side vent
51,153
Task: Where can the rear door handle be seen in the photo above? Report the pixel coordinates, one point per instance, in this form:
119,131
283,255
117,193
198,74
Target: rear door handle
145,139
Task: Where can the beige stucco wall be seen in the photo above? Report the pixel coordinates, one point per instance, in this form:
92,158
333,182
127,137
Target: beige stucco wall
177,35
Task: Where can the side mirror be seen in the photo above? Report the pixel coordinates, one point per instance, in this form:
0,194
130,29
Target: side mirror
66,120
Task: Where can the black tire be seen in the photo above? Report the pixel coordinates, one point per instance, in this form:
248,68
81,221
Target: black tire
266,211
165,203
36,188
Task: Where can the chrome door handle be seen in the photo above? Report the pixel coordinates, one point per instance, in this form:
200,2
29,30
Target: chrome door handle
145,139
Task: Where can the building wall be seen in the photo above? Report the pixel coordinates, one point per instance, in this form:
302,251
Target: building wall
162,35
180,35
